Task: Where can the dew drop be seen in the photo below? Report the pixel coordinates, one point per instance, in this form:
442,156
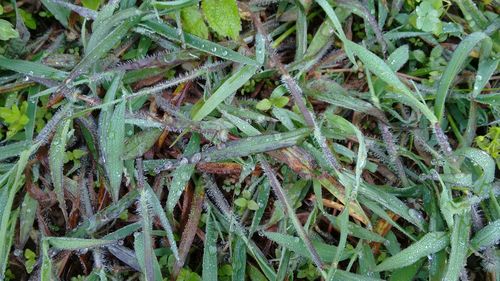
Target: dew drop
17,252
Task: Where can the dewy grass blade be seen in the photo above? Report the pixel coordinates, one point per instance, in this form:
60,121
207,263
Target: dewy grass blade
487,236
384,72
198,43
64,243
160,213
146,238
210,249
454,66
111,136
229,87
459,244
182,174
430,243
140,143
338,27
254,145
325,251
56,162
290,211
32,68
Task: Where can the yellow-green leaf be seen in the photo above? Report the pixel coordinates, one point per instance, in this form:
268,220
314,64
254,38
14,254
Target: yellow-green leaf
223,17
192,22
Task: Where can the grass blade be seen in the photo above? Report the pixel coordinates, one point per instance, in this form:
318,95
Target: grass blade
56,162
182,175
459,244
65,243
454,66
198,43
430,243
384,72
229,87
289,210
112,137
210,249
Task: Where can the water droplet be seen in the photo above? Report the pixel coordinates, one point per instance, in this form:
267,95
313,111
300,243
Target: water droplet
195,158
17,252
224,53
214,49
183,161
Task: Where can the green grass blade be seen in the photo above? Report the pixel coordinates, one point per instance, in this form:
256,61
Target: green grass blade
46,271
254,145
32,68
210,249
459,241
198,43
229,87
140,143
384,72
338,27
239,258
182,175
454,66
65,243
430,243
160,213
290,212
325,251
112,137
487,236
56,162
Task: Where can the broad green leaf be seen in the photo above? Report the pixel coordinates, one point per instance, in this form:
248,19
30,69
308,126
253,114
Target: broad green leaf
430,243
192,22
223,17
7,31
91,4
229,87
398,58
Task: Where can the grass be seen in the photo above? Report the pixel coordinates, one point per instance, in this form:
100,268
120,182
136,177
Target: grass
260,140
